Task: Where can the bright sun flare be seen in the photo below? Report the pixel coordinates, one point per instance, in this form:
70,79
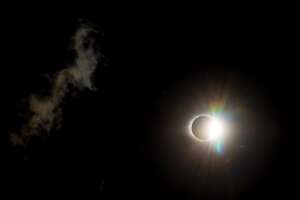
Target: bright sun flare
215,129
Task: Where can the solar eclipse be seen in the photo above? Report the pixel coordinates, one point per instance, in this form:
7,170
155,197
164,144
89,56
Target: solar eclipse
207,128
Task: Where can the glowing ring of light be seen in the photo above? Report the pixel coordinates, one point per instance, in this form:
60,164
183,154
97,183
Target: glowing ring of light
192,122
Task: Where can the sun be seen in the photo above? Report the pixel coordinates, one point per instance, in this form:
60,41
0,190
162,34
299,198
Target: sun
215,129
207,128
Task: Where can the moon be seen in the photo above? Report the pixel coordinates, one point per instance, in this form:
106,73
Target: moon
206,128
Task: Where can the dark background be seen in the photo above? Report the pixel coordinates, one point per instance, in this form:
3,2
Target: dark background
125,139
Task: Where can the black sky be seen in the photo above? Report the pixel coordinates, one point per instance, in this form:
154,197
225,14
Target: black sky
115,142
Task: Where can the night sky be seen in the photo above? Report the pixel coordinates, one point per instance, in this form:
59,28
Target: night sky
158,67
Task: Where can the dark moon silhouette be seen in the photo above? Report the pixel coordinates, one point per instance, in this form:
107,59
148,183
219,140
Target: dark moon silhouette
199,127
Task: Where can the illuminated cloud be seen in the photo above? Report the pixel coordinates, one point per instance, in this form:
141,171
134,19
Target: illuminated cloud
45,111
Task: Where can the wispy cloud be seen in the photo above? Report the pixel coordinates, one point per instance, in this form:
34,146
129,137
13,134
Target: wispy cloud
45,111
